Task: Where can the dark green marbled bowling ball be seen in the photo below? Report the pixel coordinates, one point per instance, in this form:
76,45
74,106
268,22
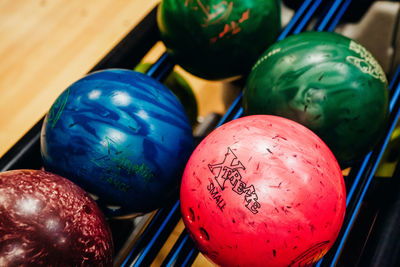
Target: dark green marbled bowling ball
181,89
327,82
218,39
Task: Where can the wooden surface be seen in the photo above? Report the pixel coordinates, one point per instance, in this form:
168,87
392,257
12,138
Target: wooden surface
47,45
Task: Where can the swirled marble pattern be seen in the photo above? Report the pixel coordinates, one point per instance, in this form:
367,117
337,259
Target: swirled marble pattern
217,39
46,220
120,135
326,82
181,88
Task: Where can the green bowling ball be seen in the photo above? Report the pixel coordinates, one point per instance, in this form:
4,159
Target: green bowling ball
327,82
218,39
181,88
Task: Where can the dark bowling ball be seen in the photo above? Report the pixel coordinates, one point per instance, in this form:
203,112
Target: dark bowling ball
120,135
327,82
46,220
215,39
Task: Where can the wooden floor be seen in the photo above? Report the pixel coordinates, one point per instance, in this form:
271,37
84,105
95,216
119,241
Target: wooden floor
45,45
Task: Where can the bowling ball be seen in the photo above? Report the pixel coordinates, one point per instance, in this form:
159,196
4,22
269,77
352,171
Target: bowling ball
181,88
120,135
46,220
218,39
327,82
263,191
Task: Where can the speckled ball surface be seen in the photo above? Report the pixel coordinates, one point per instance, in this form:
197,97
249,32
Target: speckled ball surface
218,39
46,220
327,82
263,191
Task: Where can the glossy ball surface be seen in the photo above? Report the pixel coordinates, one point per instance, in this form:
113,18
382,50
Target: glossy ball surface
263,191
215,39
121,136
46,220
327,82
181,88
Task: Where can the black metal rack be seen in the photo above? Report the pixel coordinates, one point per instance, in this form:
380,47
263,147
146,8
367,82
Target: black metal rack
369,233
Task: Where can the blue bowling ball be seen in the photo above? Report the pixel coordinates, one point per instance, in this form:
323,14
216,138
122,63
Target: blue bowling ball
120,135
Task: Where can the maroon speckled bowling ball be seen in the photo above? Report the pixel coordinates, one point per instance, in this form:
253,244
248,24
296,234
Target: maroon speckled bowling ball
46,220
